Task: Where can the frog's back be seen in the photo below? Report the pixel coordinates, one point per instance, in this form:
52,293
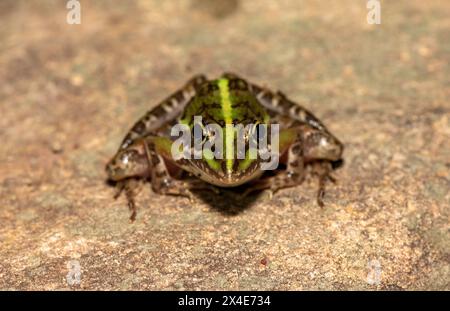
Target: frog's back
225,101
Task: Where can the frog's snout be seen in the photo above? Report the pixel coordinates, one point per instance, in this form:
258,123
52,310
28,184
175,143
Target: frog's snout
334,150
319,145
127,163
111,170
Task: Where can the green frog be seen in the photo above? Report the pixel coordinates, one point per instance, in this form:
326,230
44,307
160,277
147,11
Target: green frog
146,152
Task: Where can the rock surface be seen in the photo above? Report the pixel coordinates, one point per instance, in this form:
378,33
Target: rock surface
68,93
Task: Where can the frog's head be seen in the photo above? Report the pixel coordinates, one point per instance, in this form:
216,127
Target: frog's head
226,104
319,144
228,167
129,162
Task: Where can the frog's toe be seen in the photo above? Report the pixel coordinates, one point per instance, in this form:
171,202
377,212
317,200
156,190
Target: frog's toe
118,191
262,185
132,208
331,178
320,196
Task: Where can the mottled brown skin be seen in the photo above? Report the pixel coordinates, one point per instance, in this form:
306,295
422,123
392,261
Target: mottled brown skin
145,151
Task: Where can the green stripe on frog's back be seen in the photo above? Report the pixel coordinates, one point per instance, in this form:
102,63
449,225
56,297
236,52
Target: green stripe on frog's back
227,112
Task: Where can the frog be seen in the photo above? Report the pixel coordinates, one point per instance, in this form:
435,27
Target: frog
305,145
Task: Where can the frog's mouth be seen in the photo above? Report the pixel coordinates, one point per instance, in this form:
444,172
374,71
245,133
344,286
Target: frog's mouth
220,176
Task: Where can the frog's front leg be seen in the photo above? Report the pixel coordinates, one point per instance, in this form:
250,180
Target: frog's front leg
131,187
292,176
322,169
303,145
146,158
158,150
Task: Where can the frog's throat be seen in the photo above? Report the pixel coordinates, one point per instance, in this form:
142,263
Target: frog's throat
225,103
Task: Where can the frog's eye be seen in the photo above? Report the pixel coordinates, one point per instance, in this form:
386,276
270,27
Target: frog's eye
197,131
210,135
262,132
253,133
205,138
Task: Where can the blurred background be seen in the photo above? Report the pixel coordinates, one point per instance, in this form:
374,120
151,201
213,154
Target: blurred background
69,93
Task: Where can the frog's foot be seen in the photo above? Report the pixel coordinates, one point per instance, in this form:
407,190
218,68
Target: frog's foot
273,184
260,185
203,186
173,187
293,176
323,171
131,187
